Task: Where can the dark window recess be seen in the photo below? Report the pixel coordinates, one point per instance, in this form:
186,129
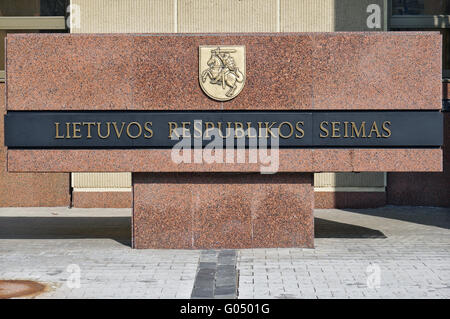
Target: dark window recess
30,8
54,7
420,7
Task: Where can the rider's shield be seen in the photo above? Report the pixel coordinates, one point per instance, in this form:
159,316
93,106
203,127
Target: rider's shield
222,70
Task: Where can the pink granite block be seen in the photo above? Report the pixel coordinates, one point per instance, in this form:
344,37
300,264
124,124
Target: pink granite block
272,67
423,189
324,200
69,72
403,160
332,160
103,199
285,71
280,73
162,212
222,211
282,211
376,70
222,214
166,75
30,189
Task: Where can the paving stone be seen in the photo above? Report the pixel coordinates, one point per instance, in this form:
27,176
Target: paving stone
203,292
230,296
405,261
414,260
225,290
208,265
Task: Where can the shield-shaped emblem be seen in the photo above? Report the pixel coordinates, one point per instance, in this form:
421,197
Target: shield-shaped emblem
222,70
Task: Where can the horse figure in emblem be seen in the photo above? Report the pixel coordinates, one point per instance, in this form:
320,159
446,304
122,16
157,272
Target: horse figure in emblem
223,70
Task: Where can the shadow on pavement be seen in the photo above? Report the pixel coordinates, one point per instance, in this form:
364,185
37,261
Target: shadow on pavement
324,228
430,216
119,228
116,228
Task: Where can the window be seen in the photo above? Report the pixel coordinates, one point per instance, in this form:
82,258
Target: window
420,7
33,8
20,16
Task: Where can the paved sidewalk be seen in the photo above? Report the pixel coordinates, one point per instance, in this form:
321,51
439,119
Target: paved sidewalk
390,252
412,259
97,241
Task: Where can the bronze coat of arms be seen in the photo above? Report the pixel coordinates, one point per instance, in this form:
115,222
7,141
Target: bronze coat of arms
222,71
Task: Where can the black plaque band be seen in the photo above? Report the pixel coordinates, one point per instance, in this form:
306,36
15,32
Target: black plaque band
136,129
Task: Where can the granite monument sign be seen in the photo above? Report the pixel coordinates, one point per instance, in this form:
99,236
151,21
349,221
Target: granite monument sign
222,132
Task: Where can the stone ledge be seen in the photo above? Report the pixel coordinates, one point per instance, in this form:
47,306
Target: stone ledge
290,160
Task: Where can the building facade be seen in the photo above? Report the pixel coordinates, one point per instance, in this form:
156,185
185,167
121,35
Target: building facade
332,189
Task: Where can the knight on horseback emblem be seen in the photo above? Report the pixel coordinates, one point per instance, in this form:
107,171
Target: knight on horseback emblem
222,71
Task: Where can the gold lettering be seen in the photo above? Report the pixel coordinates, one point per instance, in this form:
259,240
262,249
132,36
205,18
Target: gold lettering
172,129
129,133
358,132
186,132
99,125
290,132
89,128
269,129
148,129
385,129
228,131
324,129
374,128
249,130
208,127
57,131
335,129
239,127
198,129
76,129
118,133
299,129
67,130
260,129
346,129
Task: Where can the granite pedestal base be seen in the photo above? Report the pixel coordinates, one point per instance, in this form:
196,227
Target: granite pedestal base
219,210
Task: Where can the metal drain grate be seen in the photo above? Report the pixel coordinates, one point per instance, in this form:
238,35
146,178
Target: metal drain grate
19,288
